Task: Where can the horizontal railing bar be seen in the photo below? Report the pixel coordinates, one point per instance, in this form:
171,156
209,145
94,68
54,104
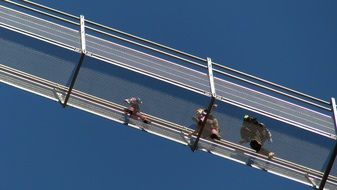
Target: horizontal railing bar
51,9
147,41
271,89
43,13
272,84
146,47
39,37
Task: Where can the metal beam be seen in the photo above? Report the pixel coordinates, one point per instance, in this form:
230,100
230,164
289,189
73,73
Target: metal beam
334,111
211,76
334,151
203,123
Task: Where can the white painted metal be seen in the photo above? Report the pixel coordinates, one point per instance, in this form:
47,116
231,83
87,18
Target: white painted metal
211,76
82,32
334,111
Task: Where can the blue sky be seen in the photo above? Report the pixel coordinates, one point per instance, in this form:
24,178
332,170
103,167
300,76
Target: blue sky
43,146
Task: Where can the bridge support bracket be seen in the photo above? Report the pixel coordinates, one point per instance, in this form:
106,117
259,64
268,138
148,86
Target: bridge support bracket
78,67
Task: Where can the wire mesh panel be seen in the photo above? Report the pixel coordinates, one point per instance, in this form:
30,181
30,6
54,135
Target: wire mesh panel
160,99
36,57
275,106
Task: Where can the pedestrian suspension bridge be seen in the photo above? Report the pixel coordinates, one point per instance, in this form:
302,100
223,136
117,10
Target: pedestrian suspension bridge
86,65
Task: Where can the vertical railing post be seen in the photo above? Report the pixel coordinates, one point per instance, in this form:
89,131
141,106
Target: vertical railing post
210,105
83,52
211,77
334,151
82,33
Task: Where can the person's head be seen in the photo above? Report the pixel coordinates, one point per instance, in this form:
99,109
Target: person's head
199,111
248,118
139,101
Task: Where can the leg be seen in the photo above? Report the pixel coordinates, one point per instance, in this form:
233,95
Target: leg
254,144
267,153
215,134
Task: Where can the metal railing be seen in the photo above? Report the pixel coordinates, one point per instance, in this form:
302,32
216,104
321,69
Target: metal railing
188,58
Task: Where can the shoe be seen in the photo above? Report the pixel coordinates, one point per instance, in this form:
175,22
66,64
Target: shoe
146,121
214,136
271,155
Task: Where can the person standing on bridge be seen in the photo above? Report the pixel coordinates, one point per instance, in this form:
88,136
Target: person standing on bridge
211,128
133,109
256,134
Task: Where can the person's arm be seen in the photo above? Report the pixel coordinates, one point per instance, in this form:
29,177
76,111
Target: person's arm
245,133
216,124
243,141
127,100
270,139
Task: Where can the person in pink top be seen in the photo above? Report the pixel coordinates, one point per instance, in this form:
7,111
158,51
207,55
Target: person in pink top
133,110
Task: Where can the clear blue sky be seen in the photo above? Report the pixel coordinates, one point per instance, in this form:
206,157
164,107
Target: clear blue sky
43,146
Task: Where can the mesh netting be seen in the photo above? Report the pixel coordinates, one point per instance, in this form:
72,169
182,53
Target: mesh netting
274,106
39,58
160,99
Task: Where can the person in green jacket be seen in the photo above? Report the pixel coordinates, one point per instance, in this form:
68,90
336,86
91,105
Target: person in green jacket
256,134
